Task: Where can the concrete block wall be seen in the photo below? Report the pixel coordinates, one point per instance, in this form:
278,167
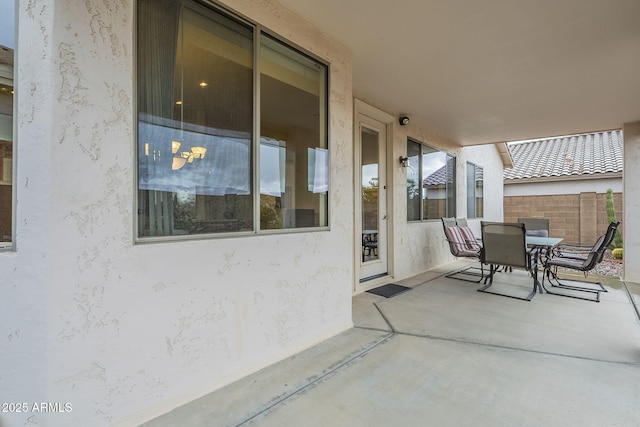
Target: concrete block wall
578,218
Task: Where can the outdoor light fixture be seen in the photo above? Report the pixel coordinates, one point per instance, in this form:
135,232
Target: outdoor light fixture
404,120
404,161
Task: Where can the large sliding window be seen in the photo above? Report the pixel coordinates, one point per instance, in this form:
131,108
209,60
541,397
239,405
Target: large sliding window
294,159
474,191
7,44
232,126
431,183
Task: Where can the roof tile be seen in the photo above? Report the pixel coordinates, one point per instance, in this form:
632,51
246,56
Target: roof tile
591,153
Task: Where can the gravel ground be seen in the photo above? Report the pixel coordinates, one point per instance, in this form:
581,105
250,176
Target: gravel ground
609,266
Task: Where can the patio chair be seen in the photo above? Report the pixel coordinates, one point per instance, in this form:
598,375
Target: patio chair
581,252
505,245
538,227
463,244
369,245
569,257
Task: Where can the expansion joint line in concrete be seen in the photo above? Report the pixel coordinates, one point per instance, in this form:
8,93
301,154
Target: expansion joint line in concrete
393,331
511,348
461,341
632,301
319,379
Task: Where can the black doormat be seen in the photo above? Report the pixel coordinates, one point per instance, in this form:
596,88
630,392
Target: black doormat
389,290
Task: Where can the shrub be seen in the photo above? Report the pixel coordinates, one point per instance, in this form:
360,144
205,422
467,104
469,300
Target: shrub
611,216
617,253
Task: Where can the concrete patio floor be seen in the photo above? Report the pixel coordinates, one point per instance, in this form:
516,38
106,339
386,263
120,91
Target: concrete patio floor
443,354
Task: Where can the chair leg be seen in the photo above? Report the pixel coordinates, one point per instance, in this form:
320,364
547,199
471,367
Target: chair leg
493,269
547,273
558,284
468,271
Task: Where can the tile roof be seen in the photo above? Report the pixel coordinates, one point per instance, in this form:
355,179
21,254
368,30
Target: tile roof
439,177
574,155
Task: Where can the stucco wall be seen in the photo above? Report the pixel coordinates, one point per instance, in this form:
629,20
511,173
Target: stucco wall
631,133
125,331
420,245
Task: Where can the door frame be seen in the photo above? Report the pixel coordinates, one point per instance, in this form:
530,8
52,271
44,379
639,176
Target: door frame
360,108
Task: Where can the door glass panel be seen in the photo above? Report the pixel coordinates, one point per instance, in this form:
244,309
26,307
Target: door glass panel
370,178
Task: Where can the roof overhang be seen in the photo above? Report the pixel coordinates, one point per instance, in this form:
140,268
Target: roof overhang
505,154
491,71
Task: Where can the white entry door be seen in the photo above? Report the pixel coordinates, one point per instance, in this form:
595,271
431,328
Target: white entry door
372,200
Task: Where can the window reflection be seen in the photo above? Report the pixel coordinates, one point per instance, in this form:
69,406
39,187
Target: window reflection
195,121
6,120
474,191
196,155
293,145
435,172
413,181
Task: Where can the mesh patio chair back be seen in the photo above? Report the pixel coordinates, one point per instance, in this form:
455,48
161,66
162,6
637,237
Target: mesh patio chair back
536,226
591,259
462,222
610,234
449,222
505,244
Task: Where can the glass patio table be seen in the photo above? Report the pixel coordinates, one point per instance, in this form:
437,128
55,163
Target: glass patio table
540,246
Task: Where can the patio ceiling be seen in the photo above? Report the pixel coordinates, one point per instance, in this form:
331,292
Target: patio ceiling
492,70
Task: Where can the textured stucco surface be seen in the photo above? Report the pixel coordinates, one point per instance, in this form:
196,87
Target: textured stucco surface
631,200
125,331
420,245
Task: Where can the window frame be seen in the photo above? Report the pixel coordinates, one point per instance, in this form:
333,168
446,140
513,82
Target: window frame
259,31
476,167
10,246
450,198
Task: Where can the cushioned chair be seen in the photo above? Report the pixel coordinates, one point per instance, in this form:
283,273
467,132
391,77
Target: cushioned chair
579,260
463,244
505,245
538,227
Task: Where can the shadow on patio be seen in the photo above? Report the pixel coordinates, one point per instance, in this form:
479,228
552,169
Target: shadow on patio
443,354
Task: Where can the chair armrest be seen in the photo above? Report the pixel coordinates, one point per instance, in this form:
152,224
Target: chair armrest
572,251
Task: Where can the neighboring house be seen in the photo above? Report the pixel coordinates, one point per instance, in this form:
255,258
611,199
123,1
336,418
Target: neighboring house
171,234
566,180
